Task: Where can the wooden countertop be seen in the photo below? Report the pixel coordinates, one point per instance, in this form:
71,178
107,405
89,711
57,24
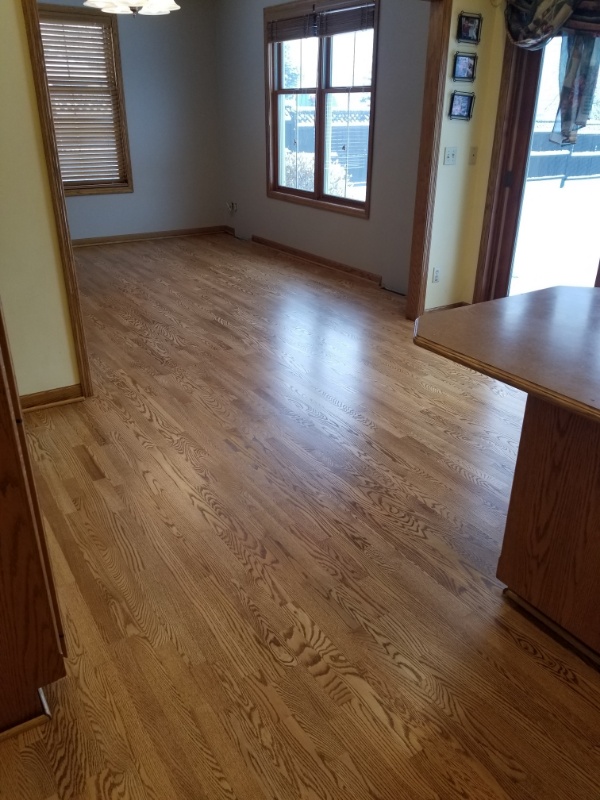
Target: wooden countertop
546,343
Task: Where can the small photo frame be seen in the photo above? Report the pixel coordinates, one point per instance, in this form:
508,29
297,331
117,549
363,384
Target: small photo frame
469,28
465,66
461,105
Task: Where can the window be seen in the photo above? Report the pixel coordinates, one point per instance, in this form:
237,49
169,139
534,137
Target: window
84,80
321,81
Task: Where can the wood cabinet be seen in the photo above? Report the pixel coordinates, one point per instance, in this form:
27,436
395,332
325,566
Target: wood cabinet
31,637
546,344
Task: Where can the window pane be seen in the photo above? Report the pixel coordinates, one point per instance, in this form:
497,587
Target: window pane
352,59
347,122
297,141
300,63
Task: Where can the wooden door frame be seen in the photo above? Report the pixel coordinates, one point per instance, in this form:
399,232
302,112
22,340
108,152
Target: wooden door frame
440,22
521,72
34,39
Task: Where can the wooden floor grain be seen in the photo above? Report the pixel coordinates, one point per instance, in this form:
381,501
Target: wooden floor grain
275,530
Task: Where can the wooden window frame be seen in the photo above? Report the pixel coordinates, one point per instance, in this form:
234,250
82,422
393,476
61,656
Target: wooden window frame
47,12
274,88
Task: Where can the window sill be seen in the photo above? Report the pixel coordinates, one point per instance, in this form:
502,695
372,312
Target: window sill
76,191
325,205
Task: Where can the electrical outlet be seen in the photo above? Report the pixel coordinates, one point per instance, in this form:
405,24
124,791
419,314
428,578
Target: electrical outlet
232,207
450,156
473,155
435,275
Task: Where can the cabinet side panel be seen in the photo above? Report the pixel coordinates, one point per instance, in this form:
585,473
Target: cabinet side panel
29,648
551,551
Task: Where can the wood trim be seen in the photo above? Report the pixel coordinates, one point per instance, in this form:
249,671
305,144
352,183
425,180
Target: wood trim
80,190
373,117
52,397
325,205
269,81
446,308
26,462
138,237
316,199
484,273
554,629
440,23
34,722
550,550
30,649
32,27
499,374
67,13
512,138
67,10
126,186
322,262
300,7
320,103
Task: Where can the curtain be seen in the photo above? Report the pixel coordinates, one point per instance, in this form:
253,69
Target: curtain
579,67
532,23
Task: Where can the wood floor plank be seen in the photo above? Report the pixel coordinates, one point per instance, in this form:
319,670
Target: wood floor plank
275,530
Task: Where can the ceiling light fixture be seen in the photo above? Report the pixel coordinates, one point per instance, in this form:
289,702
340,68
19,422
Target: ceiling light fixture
153,7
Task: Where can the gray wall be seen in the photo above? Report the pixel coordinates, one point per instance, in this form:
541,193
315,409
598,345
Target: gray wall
380,244
169,77
194,93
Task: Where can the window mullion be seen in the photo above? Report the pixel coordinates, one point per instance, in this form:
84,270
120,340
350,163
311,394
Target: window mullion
350,89
308,90
324,72
276,59
277,67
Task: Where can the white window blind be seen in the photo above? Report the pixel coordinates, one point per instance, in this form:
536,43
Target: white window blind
83,80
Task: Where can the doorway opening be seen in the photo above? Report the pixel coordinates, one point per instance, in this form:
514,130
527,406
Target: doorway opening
558,236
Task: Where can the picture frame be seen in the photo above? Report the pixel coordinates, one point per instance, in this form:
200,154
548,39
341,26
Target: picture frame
465,67
461,105
469,28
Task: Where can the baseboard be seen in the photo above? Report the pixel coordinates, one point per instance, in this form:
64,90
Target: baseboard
34,722
322,262
51,397
137,237
448,307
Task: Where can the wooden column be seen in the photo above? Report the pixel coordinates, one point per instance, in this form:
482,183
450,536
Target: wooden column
551,551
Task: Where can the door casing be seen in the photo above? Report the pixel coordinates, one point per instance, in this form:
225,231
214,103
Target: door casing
34,40
440,22
518,93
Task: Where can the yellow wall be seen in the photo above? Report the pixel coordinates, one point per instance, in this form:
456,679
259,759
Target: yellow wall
32,287
461,189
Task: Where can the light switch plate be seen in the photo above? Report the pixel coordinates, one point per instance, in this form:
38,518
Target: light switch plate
450,156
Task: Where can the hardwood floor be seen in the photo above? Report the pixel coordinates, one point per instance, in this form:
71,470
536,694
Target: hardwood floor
275,530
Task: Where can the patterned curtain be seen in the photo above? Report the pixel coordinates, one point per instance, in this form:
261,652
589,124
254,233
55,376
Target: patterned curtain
579,67
532,23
